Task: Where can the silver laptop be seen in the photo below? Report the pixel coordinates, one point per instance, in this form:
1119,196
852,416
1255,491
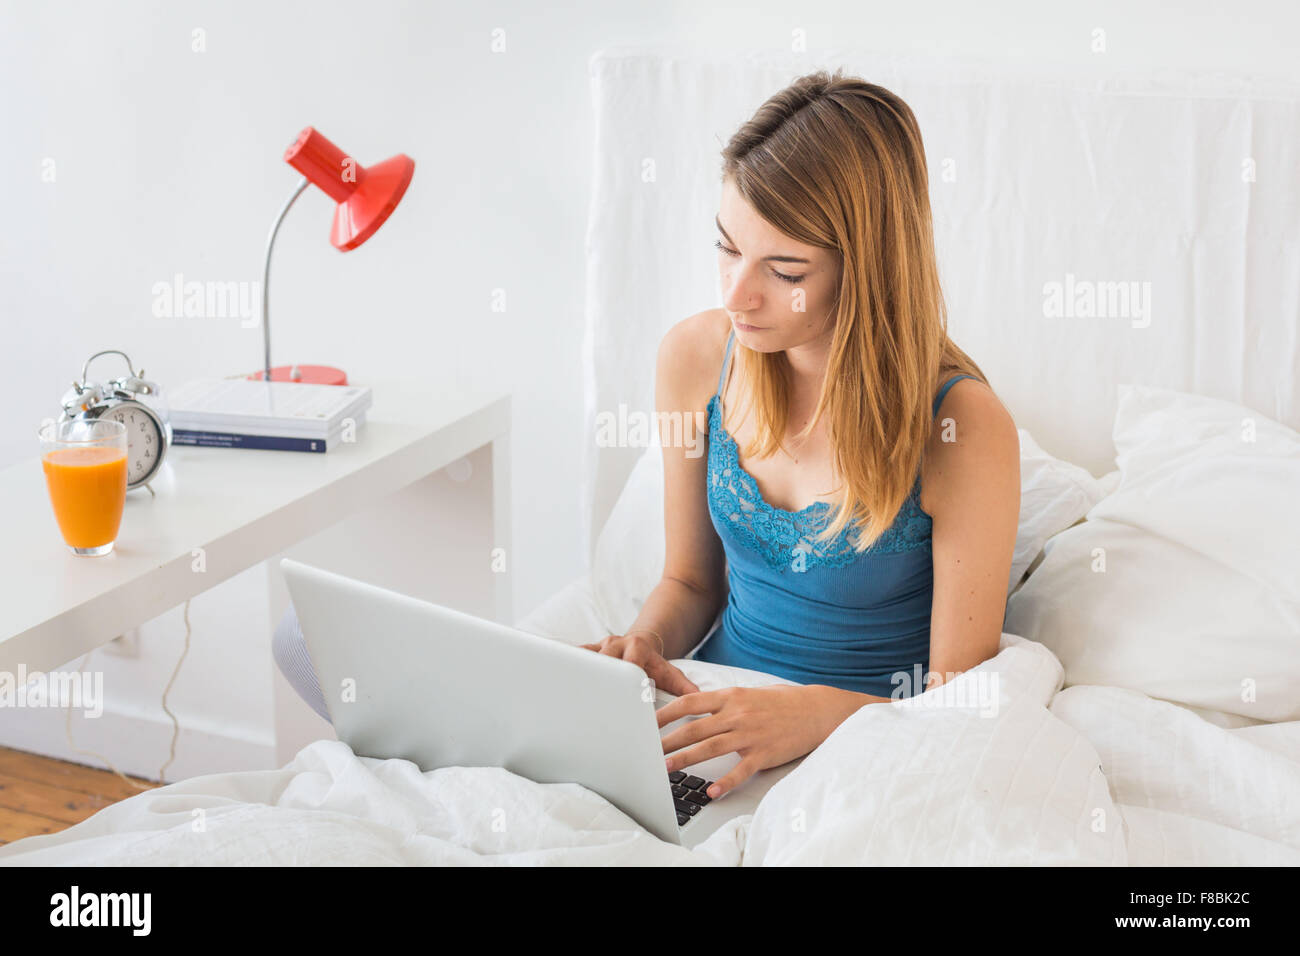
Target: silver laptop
405,678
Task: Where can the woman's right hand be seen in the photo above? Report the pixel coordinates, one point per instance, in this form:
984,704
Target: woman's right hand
643,650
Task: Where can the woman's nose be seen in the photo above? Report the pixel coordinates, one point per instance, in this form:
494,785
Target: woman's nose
738,291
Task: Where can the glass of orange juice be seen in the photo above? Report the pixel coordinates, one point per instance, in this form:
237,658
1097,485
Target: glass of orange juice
85,472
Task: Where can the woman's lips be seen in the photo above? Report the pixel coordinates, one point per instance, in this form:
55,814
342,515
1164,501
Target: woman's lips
748,328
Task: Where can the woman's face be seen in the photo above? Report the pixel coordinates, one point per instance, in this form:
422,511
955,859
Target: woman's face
778,292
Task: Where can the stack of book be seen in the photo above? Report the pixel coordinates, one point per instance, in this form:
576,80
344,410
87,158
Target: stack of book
284,416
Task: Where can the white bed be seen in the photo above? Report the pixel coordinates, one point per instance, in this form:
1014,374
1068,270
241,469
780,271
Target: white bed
1144,713
894,785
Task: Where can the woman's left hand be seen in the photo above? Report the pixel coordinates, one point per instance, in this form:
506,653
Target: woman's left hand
766,726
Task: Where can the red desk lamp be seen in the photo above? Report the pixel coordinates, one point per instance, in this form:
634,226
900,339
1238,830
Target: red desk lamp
366,197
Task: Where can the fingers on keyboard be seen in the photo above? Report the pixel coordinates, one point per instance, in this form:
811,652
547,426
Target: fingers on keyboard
688,794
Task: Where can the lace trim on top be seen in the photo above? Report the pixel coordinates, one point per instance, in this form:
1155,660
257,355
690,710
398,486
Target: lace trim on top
786,539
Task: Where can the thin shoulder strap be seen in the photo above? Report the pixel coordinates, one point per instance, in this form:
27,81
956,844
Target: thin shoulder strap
726,360
944,391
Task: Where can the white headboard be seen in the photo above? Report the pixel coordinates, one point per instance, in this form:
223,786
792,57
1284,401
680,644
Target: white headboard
1046,189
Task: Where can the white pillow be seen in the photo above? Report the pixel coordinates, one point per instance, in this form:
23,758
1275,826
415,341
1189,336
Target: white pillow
629,559
1199,599
1054,494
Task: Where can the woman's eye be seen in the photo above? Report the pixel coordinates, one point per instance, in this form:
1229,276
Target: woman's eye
780,275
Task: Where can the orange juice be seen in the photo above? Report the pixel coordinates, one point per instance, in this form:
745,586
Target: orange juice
88,491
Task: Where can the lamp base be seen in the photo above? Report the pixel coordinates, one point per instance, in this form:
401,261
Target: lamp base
308,374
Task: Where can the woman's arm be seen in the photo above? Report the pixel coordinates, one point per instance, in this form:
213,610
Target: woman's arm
975,503
679,610
692,588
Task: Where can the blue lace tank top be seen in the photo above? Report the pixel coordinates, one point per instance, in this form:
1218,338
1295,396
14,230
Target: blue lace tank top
814,612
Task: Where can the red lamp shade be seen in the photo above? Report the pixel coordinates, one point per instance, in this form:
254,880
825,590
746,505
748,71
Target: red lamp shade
366,195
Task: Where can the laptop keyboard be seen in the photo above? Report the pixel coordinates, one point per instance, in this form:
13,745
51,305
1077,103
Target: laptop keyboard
688,795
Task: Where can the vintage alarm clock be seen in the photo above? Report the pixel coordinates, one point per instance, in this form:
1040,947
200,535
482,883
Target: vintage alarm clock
135,402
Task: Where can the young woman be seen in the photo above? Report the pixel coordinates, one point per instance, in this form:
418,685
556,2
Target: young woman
855,516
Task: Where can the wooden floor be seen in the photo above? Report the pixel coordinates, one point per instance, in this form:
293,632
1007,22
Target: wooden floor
43,795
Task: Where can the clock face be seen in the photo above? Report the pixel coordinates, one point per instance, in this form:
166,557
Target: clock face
144,440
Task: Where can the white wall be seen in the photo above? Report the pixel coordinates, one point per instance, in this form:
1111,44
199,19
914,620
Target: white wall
168,161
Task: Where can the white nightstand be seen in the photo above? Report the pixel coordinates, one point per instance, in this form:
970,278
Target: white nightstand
376,509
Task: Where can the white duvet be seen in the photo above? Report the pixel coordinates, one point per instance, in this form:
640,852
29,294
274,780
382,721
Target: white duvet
1088,776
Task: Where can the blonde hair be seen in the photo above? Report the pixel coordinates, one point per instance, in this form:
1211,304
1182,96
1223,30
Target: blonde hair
837,163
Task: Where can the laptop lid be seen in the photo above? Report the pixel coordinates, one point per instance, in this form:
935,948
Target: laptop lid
406,678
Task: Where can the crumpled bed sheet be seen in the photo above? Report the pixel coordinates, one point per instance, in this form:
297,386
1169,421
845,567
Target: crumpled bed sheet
1084,776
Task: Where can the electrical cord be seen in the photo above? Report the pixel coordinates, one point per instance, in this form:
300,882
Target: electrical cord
176,725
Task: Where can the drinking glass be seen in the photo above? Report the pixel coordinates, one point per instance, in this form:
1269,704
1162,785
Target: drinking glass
85,471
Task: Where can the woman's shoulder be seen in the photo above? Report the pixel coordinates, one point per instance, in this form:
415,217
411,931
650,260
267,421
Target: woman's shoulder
973,435
955,380
972,401
691,354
